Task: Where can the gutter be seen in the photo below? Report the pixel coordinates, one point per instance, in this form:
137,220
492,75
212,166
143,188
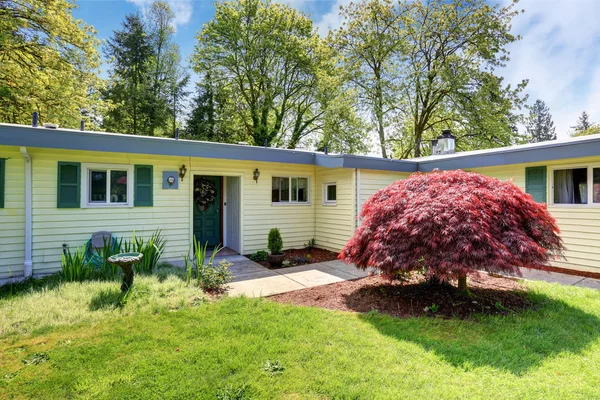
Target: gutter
28,264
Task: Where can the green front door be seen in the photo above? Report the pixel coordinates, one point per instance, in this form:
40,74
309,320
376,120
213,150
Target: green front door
207,209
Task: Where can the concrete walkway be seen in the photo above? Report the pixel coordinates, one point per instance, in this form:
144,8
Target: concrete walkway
254,280
563,279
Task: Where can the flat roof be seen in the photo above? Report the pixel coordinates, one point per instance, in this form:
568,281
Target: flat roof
27,136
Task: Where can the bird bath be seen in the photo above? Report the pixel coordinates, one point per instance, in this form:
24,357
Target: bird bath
126,261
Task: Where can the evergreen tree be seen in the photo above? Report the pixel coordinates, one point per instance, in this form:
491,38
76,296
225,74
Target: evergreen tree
540,126
202,123
583,123
130,51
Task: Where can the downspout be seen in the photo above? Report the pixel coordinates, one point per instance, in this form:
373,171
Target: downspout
28,264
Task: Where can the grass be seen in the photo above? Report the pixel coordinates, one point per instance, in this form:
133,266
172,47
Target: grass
81,341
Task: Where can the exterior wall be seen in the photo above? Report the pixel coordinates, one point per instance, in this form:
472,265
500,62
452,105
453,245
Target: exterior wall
12,216
371,181
579,225
171,211
334,223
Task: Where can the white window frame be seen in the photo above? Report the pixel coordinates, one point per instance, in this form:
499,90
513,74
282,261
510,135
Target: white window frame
590,188
85,185
291,202
326,201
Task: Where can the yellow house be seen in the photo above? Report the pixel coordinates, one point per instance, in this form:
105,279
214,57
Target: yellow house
58,186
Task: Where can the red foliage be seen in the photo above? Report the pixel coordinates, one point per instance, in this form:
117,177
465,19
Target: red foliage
453,223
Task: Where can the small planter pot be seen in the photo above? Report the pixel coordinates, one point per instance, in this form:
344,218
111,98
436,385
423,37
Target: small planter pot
275,260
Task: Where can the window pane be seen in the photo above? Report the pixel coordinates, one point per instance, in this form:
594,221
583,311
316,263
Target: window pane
275,190
331,192
118,186
294,189
284,189
97,186
570,186
303,189
596,186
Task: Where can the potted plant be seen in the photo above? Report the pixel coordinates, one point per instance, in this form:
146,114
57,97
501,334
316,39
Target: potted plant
275,245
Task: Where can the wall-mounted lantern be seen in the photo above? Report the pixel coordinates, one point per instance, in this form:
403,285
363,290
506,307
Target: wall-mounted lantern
182,171
255,175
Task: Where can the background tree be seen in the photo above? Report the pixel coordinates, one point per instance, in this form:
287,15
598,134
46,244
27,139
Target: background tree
539,124
583,123
270,61
453,223
370,43
452,50
48,63
147,81
129,51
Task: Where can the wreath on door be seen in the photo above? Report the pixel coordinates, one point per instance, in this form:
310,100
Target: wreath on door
205,193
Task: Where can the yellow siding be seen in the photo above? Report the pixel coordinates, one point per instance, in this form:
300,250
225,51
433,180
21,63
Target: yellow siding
580,226
12,216
371,181
172,210
334,224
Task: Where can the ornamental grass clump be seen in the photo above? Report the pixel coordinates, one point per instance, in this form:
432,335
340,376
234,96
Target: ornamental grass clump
454,223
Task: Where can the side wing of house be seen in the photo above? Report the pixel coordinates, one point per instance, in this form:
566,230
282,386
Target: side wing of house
12,211
579,223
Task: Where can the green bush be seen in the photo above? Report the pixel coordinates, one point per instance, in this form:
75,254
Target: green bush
109,248
75,267
209,277
310,245
275,243
152,250
259,256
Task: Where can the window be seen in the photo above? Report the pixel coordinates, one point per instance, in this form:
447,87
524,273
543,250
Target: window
107,185
577,185
329,193
289,190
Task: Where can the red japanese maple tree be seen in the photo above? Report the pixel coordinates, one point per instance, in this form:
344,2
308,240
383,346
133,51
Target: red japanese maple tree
453,223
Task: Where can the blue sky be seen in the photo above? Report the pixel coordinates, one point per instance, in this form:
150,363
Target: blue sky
559,52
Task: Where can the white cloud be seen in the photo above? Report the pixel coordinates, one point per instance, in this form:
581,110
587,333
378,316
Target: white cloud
559,54
181,8
332,19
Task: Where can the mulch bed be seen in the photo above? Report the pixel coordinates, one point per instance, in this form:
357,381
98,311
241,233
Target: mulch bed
316,256
489,295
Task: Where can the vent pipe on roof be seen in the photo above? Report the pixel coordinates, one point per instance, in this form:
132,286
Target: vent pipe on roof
177,134
266,143
34,119
445,143
326,149
82,125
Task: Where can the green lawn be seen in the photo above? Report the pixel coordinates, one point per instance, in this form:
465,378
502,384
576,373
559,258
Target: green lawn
166,341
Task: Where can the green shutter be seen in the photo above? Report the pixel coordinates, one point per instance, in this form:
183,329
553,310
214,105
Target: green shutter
2,181
69,185
535,183
143,186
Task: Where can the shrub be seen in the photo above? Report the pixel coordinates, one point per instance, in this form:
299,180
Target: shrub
310,245
259,256
109,247
453,223
209,277
152,250
75,267
213,278
275,243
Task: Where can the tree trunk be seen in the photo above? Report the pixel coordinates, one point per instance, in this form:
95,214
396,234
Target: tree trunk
418,136
379,112
462,283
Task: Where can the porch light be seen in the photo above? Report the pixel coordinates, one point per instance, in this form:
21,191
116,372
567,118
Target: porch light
255,175
182,171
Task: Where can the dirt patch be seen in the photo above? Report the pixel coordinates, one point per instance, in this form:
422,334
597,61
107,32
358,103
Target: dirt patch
304,256
489,295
